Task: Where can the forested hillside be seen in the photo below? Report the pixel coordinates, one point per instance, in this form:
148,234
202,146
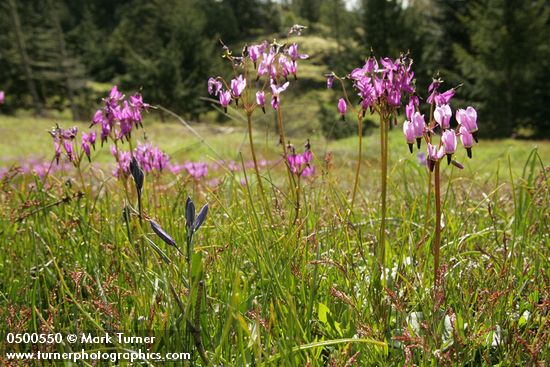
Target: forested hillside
60,54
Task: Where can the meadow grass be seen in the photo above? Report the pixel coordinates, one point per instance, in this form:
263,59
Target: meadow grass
280,292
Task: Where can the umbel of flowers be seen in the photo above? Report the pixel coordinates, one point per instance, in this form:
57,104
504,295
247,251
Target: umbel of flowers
416,129
116,118
119,116
261,74
381,86
300,164
271,64
149,157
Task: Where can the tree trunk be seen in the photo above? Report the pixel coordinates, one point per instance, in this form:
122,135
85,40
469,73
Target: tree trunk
31,86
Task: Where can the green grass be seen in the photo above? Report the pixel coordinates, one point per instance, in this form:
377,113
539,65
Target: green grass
284,293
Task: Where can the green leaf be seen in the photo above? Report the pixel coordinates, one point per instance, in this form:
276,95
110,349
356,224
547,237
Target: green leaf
322,313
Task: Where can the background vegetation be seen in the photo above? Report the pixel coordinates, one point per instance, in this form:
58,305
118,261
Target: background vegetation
59,54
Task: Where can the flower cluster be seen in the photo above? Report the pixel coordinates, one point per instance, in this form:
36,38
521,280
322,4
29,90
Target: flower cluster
415,127
119,116
380,87
271,61
2,97
197,170
149,157
64,141
301,164
87,140
200,170
34,166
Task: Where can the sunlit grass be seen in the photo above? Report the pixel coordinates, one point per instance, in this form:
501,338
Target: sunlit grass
285,294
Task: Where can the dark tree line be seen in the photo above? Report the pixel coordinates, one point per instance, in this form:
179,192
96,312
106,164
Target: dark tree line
63,53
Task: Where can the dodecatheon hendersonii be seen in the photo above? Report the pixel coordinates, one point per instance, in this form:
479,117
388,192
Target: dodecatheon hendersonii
294,54
254,53
435,153
330,80
411,107
467,140
448,139
196,170
342,108
468,119
63,138
439,98
68,146
150,157
419,125
442,115
445,97
260,99
408,130
237,88
275,92
225,99
119,116
301,164
115,94
214,86
87,140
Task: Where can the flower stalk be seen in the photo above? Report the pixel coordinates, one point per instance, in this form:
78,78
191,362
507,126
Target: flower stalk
273,63
384,121
359,156
299,165
437,239
253,151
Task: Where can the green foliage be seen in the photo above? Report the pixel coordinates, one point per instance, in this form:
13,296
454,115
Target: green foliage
497,48
506,64
169,57
289,295
333,127
308,10
383,25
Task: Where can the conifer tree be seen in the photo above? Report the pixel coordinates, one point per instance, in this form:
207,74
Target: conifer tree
24,57
506,65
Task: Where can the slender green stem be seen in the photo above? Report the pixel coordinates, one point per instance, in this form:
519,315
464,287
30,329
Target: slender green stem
189,259
437,241
255,160
282,138
297,206
252,150
384,179
359,156
428,201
